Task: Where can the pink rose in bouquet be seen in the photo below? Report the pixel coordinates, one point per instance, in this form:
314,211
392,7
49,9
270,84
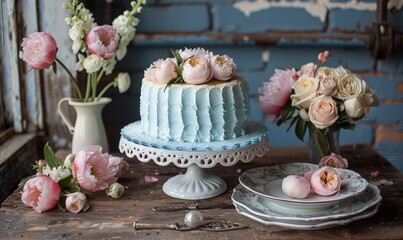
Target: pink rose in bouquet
38,50
276,93
334,160
323,112
41,193
95,171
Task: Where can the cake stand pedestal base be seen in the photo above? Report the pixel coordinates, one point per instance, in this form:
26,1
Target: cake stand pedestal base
194,184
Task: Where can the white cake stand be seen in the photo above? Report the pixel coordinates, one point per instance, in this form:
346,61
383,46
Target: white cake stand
196,183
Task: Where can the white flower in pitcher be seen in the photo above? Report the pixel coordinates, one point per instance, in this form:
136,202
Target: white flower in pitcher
93,63
123,82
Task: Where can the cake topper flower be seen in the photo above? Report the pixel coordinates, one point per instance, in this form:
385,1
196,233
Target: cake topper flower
191,66
322,98
98,48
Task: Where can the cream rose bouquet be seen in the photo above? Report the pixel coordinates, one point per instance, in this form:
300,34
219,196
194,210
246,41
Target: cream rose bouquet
322,98
98,48
67,183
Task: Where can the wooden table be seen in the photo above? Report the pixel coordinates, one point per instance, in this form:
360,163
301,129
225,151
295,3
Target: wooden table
113,219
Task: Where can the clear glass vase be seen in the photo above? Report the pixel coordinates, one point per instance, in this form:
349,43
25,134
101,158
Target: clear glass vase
322,142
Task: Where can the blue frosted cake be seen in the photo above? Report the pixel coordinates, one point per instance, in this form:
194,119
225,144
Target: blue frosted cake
195,97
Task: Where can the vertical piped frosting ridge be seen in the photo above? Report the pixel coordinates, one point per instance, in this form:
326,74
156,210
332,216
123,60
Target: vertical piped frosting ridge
212,111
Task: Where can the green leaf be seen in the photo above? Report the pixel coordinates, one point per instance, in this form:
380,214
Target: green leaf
300,129
62,205
50,157
86,207
294,120
174,81
177,56
54,67
287,112
348,126
65,182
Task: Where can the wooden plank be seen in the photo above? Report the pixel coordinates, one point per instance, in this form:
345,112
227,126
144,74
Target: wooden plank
113,219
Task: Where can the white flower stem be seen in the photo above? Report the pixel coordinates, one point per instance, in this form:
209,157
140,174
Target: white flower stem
87,92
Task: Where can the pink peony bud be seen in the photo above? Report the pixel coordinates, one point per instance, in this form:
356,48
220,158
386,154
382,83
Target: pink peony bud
295,186
325,181
41,163
103,41
38,50
41,193
75,202
334,160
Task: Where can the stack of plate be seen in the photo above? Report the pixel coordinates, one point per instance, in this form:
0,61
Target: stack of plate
259,197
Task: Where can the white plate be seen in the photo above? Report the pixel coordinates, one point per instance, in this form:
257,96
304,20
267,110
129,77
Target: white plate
307,225
266,182
268,209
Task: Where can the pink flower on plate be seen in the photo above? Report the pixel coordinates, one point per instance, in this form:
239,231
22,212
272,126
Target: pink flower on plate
103,41
75,202
41,193
38,50
197,70
276,93
95,171
334,160
325,181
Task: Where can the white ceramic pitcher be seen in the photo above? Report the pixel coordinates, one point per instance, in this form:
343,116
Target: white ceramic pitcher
89,128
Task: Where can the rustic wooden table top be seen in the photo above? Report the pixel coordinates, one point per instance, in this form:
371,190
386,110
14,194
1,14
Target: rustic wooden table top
113,219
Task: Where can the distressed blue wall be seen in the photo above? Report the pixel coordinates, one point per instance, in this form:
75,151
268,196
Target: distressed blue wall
212,24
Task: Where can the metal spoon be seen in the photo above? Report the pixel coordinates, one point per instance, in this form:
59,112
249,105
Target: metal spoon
193,220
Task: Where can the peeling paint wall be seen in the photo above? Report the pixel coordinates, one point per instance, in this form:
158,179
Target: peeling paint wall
262,35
